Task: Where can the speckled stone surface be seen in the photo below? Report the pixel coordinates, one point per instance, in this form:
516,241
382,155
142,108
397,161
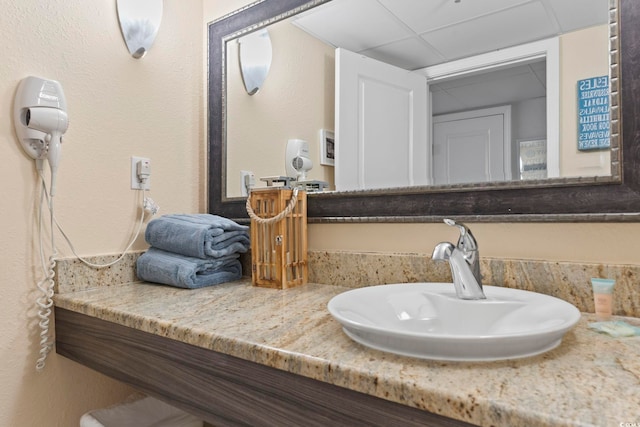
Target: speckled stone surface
73,275
590,379
568,281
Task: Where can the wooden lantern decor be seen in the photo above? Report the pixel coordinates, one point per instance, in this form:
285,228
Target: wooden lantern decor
278,237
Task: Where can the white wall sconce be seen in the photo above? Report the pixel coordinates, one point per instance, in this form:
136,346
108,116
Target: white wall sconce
139,23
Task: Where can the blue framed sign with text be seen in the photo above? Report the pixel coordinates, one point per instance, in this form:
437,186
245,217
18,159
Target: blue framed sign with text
593,113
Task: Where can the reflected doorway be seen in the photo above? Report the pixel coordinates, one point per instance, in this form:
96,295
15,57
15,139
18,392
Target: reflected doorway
473,146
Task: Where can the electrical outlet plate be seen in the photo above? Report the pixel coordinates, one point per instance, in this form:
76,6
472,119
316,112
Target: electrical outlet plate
244,177
135,182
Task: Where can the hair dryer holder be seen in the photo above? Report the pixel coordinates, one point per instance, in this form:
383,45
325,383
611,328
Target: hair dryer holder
40,119
297,159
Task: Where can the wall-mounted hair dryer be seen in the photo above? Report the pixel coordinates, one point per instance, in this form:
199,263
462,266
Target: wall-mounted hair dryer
297,159
40,117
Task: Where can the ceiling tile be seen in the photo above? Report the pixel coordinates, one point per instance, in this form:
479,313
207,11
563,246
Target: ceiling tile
422,16
499,92
501,87
576,14
484,34
410,54
442,103
352,24
454,30
539,69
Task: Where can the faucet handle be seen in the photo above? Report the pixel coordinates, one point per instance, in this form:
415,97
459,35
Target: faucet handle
466,242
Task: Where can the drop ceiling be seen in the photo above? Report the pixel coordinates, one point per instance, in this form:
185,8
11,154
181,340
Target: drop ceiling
414,34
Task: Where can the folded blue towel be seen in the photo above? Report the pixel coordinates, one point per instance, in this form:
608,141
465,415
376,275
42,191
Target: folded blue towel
228,243
198,235
159,266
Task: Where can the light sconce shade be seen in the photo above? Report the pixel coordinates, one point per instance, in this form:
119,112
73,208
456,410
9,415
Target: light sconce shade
139,23
255,59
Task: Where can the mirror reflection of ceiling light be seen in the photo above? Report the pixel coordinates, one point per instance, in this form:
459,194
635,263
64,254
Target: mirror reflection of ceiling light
255,59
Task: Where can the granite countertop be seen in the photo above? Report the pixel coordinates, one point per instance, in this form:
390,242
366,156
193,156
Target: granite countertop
590,379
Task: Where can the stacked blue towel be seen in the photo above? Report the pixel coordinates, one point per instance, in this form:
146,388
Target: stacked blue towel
183,271
193,251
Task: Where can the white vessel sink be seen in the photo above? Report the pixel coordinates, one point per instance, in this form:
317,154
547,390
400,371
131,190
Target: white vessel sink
427,320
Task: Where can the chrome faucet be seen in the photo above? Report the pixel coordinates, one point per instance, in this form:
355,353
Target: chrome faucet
464,261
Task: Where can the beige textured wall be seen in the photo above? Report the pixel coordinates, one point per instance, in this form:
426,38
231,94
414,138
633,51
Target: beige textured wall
580,58
590,243
118,107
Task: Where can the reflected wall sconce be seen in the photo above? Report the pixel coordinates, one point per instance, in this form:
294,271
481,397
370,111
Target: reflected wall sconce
255,59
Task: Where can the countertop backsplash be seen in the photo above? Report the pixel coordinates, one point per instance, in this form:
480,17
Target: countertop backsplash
72,275
570,281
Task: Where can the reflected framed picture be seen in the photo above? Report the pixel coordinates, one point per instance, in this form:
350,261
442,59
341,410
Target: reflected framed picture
327,148
532,155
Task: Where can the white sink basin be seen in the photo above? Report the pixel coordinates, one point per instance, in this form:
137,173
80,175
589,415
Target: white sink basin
427,320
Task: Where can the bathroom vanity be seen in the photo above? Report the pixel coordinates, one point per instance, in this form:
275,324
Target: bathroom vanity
239,355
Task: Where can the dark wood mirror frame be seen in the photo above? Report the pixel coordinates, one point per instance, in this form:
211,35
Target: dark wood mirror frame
615,198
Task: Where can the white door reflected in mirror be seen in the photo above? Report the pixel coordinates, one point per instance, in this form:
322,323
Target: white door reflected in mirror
139,22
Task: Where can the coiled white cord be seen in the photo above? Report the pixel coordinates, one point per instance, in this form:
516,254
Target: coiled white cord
46,285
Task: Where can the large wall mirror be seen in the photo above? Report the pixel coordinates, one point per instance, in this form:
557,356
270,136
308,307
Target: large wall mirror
550,88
